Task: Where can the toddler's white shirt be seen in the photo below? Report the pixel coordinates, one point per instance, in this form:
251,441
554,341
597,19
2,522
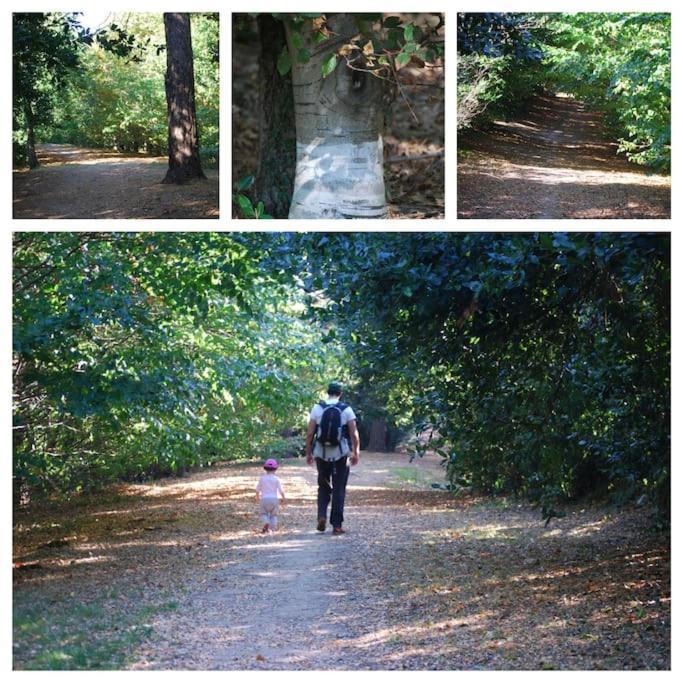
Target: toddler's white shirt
269,486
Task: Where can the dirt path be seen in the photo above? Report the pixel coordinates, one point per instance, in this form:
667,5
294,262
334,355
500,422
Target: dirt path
73,182
554,162
174,575
298,599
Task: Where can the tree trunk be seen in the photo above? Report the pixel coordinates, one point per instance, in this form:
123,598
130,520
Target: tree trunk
378,436
339,120
277,133
31,157
183,139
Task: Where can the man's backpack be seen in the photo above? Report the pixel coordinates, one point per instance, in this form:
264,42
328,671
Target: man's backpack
330,431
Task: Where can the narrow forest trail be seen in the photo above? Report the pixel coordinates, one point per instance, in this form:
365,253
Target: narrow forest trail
175,574
554,162
75,182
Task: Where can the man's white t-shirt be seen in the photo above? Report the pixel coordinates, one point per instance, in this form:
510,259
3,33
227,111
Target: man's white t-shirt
332,453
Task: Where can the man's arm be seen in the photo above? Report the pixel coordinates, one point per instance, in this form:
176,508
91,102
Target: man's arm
355,441
312,425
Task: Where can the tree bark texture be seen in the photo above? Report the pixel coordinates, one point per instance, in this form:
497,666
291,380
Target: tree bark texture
378,436
339,120
277,133
31,156
183,139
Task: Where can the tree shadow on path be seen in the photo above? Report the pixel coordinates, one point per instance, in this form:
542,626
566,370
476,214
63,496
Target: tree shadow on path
74,182
554,162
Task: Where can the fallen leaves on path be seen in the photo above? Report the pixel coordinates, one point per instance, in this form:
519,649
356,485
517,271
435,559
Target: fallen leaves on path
554,162
173,574
75,182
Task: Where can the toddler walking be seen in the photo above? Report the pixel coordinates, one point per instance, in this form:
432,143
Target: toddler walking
268,492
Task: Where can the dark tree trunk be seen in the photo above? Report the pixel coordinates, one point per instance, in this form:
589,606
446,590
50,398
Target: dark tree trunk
378,436
277,131
183,139
31,157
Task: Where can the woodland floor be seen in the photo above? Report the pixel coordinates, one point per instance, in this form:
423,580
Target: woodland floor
74,182
413,137
174,575
554,162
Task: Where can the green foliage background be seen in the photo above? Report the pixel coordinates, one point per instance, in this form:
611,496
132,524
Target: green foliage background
534,364
145,354
111,92
539,364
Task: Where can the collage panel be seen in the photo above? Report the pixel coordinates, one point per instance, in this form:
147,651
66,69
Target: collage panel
338,116
115,115
564,115
493,494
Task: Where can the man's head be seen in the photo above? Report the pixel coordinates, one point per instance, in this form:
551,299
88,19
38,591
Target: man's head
334,389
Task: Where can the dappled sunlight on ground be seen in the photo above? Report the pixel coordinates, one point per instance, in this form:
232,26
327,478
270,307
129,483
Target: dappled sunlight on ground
558,176
74,182
422,580
554,163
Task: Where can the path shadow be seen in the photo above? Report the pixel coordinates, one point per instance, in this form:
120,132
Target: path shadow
78,183
521,198
554,162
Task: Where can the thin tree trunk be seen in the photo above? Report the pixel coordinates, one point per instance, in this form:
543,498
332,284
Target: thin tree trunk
339,121
183,139
31,157
277,132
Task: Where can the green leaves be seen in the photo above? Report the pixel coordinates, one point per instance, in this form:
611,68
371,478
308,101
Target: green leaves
297,40
149,353
245,205
248,210
541,360
618,63
124,83
284,63
613,75
245,183
329,64
402,59
533,357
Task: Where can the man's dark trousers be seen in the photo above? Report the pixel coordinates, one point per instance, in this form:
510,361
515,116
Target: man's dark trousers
332,478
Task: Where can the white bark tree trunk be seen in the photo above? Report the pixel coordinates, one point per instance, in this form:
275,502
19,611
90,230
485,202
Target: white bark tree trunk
339,120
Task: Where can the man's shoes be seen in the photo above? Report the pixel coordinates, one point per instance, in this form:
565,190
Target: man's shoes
321,524
338,530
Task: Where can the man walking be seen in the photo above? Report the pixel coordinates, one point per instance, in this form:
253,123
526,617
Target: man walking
332,435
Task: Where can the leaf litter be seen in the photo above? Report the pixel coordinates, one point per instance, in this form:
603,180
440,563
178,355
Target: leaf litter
422,580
